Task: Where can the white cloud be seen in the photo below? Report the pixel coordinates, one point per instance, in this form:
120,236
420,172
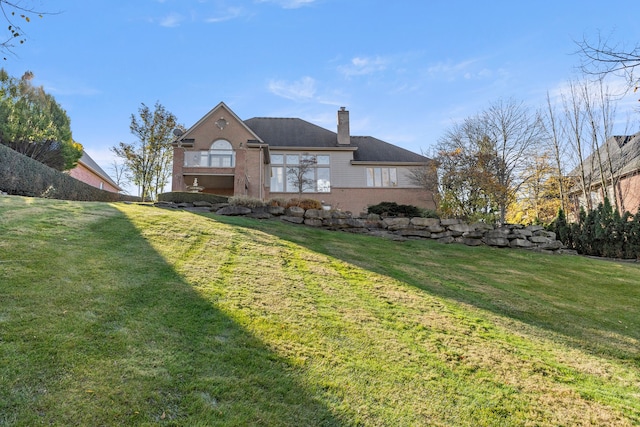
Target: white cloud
227,15
360,66
301,90
171,20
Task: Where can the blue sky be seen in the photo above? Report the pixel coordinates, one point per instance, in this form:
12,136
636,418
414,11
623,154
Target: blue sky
405,69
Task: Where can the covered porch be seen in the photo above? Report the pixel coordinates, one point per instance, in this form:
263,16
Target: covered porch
222,185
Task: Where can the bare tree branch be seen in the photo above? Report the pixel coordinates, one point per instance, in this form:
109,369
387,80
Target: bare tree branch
15,13
601,58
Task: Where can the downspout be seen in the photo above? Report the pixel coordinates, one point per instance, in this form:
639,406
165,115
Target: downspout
261,183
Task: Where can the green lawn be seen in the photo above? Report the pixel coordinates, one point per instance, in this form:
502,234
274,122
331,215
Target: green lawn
116,314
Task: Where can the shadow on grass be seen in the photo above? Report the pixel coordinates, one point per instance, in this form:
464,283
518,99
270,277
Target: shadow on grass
147,348
484,278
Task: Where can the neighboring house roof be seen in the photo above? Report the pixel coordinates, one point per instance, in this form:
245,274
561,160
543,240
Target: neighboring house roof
297,133
624,152
90,164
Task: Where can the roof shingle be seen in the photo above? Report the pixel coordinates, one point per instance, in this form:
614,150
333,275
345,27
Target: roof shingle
297,133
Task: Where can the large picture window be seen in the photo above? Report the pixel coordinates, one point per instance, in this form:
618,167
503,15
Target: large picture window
382,177
219,155
290,171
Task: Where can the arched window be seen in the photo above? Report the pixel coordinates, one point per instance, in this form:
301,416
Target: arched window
221,154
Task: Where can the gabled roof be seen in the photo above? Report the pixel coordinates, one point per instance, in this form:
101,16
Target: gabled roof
624,152
206,117
298,133
90,164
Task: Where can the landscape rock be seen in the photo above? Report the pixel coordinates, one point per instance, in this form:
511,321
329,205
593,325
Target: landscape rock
412,232
520,243
471,242
294,211
424,222
233,210
497,233
540,239
483,226
441,235
523,233
395,228
292,219
335,222
496,241
275,210
313,213
355,223
260,215
394,224
477,234
458,230
552,245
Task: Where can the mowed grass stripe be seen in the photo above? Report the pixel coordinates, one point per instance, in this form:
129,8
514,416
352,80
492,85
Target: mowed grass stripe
178,318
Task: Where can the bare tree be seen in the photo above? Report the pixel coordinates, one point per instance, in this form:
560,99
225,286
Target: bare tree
557,149
119,172
425,176
574,114
601,58
302,175
484,161
514,133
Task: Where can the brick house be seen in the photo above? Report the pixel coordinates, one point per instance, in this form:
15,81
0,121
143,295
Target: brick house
88,171
618,159
260,158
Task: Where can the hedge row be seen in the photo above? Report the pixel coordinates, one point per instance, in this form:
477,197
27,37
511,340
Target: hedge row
186,197
22,176
601,232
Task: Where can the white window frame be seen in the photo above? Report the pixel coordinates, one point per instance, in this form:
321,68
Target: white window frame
281,164
383,177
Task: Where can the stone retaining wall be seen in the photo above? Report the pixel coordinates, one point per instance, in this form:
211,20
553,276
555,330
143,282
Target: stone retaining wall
442,230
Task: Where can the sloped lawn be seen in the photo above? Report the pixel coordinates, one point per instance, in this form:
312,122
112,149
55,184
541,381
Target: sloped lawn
115,314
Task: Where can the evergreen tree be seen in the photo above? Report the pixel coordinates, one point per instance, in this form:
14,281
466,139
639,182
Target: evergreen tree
34,124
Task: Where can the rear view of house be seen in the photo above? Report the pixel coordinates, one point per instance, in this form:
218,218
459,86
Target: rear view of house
282,157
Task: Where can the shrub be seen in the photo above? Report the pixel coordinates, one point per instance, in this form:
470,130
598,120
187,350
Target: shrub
304,203
187,197
277,201
601,232
248,202
562,228
429,213
394,209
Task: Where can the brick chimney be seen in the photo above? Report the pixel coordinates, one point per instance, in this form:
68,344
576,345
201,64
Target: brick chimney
344,137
